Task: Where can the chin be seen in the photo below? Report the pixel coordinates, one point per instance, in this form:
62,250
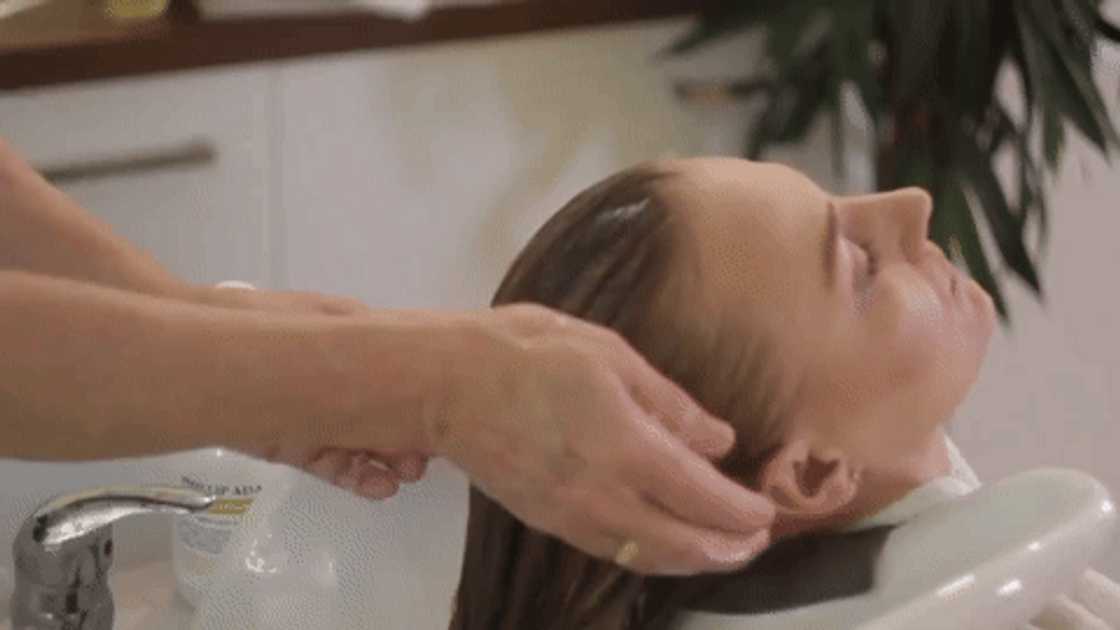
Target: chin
985,306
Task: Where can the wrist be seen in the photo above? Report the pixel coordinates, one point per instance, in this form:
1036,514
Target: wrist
459,353
382,381
476,358
453,343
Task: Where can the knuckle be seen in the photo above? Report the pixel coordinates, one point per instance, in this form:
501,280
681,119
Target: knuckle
614,338
575,502
531,317
603,336
688,555
680,416
636,464
582,358
570,495
564,355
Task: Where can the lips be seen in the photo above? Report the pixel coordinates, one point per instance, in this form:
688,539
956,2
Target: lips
954,277
949,275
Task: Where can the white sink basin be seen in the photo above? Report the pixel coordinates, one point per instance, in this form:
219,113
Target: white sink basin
307,554
989,560
310,555
142,581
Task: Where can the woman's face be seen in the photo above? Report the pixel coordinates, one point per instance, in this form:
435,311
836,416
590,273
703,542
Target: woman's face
878,337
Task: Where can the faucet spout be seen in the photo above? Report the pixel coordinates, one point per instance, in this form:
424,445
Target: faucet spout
68,517
64,550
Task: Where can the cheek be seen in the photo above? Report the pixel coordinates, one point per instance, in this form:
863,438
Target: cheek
931,353
911,329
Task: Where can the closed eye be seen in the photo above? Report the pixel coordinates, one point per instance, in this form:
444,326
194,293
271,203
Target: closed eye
872,258
865,264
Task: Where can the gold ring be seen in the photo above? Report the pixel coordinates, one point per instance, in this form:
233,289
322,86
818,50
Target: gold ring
626,553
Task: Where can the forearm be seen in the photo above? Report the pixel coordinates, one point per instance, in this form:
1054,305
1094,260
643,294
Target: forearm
44,231
90,372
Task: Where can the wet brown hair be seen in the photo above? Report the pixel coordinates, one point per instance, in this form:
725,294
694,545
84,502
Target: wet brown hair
616,255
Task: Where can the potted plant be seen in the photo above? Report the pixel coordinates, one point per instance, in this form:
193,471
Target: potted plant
925,72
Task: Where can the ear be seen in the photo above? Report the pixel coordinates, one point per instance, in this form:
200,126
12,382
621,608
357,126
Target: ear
809,483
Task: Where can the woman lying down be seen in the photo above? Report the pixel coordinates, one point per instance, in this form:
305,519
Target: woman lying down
829,331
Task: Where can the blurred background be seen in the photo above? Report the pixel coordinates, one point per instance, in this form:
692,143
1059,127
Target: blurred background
402,152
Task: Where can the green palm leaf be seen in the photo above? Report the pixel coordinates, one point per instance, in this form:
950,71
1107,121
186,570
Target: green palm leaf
1108,30
1005,227
852,32
925,71
1060,80
921,22
953,222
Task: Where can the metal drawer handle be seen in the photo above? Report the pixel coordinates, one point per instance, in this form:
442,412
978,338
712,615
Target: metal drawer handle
195,153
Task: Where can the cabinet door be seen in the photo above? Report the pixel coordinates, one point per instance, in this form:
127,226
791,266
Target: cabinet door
200,205
411,178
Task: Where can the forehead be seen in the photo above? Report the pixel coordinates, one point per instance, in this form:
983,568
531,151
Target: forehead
758,228
758,233
764,183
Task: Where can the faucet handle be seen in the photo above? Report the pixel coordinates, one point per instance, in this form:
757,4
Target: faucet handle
64,551
67,541
71,516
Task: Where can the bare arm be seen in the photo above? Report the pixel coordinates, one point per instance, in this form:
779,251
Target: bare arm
44,231
91,372
549,416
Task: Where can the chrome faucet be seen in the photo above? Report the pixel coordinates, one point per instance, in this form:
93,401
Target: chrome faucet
64,550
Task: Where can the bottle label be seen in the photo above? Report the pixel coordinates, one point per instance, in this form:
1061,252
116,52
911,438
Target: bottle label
208,532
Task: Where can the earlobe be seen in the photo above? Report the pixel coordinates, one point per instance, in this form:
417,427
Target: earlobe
808,482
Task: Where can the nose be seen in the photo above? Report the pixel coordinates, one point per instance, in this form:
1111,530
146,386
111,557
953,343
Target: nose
913,209
898,220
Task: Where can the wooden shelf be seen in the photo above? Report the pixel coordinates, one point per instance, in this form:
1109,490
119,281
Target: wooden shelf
77,44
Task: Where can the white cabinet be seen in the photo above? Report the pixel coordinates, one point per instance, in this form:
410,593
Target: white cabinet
205,221
412,177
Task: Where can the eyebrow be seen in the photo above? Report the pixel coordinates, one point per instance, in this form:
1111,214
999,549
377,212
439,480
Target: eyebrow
831,240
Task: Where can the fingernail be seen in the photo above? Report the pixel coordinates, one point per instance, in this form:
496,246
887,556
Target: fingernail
767,512
750,549
722,435
377,488
710,437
